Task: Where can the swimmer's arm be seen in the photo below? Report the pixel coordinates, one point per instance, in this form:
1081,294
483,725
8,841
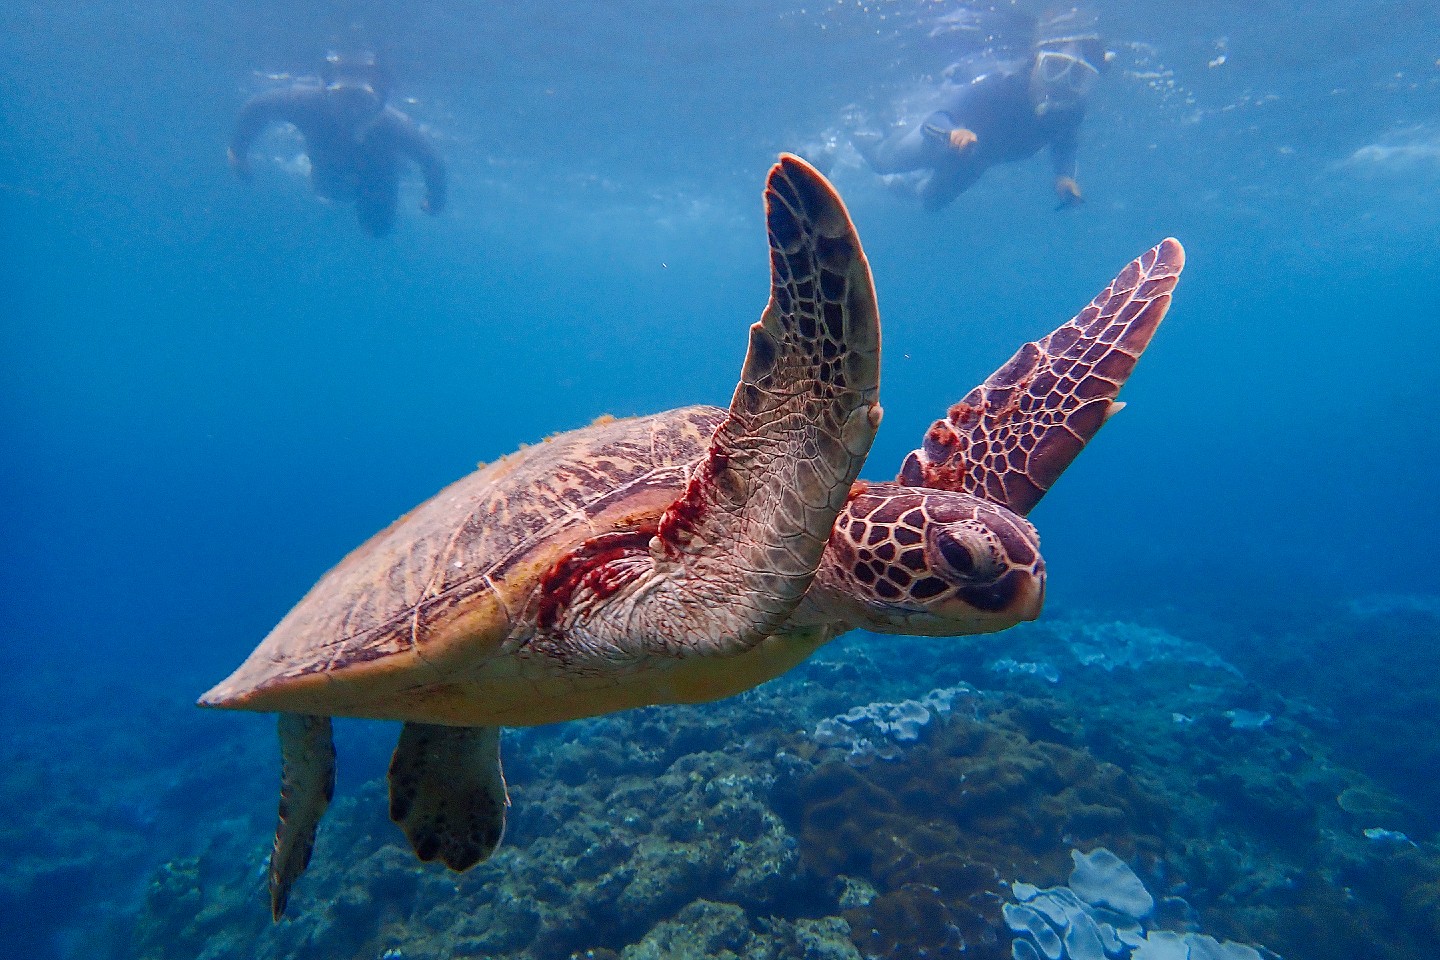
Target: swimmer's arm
936,127
1064,149
941,129
259,112
413,143
969,106
953,117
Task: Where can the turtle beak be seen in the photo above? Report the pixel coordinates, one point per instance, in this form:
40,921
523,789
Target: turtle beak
1015,597
1031,598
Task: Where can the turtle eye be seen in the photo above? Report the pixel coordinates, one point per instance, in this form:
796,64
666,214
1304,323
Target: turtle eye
965,555
957,556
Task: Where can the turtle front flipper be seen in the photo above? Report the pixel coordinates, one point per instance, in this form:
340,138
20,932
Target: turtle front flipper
662,611
736,552
447,792
307,782
1011,437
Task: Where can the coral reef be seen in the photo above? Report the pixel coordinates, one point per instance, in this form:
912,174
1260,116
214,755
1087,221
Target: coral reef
1266,837
843,811
715,931
1104,880
1103,912
100,798
590,866
749,826
1366,671
878,731
935,830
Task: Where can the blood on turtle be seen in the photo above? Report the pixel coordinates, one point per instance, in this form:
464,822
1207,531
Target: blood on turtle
689,555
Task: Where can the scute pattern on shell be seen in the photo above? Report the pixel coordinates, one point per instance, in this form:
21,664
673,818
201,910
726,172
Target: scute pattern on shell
493,532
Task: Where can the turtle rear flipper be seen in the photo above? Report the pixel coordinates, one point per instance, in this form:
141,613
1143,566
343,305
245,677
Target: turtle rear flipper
1011,437
447,792
307,783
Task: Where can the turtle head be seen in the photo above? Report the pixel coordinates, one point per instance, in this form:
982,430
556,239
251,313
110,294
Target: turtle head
931,563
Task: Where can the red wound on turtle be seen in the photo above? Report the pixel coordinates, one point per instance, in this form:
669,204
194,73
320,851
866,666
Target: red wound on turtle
682,517
590,565
944,465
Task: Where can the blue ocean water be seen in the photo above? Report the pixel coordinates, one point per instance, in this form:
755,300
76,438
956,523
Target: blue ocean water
211,390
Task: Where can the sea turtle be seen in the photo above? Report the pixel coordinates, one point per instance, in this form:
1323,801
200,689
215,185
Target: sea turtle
688,555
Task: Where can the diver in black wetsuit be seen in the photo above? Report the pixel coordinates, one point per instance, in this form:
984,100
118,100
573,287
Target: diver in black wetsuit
355,142
1006,113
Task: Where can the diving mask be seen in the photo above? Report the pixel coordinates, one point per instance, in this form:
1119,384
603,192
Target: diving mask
1063,79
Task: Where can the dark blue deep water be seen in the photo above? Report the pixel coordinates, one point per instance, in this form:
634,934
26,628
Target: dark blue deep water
211,390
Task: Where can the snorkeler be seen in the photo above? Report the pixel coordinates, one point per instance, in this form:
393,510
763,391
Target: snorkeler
1006,113
354,141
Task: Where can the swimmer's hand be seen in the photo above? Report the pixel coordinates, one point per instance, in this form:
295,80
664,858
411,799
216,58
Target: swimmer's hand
1069,193
432,207
962,139
238,163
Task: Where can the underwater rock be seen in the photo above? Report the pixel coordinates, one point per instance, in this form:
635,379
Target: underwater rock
711,835
172,897
854,892
827,938
705,930
1266,799
588,866
701,931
